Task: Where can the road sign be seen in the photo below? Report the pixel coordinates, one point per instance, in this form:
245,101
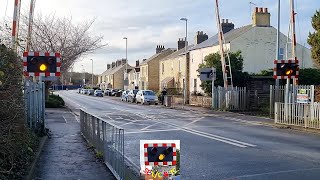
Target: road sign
302,96
160,154
41,64
207,74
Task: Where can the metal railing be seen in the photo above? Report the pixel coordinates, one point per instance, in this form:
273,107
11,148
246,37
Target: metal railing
297,114
34,102
277,94
108,139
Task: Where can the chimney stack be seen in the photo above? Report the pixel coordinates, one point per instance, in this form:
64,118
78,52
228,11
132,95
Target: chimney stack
159,49
181,43
118,63
144,60
137,63
124,61
108,66
113,64
227,26
200,37
261,17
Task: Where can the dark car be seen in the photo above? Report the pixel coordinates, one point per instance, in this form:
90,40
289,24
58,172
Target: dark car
132,95
114,92
98,93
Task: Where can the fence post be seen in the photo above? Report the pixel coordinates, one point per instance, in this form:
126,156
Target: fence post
306,113
271,101
276,112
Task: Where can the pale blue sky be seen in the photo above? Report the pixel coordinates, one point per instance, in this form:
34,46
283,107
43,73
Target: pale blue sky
148,23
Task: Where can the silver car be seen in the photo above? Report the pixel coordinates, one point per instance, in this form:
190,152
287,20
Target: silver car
146,97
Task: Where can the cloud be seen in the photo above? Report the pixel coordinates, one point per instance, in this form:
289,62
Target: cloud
149,23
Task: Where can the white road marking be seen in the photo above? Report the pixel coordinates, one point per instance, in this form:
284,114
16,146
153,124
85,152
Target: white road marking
65,119
194,121
279,172
150,131
149,126
221,137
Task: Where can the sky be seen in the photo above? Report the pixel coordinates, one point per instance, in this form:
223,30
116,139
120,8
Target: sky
148,23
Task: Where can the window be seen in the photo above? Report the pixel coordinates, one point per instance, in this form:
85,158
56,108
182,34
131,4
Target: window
162,68
281,53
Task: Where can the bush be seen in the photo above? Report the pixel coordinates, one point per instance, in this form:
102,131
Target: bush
17,142
54,101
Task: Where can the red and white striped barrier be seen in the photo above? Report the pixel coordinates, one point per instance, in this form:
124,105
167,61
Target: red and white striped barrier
38,54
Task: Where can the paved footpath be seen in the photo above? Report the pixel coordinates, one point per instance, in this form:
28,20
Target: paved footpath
65,154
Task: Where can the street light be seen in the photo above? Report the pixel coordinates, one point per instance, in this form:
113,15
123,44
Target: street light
126,70
186,44
92,74
84,75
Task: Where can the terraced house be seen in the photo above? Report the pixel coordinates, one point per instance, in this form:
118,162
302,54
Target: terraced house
174,69
257,43
113,77
149,69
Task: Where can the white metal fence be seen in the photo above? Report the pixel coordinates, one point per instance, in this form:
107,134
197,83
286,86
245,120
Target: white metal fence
297,114
230,99
108,139
34,101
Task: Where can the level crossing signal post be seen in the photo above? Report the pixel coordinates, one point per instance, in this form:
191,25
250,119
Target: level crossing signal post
287,69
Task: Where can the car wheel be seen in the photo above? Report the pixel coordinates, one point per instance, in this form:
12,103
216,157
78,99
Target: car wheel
136,101
156,104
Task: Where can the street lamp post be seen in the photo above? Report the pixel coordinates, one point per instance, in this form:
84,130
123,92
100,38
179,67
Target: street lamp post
84,75
92,74
185,79
126,69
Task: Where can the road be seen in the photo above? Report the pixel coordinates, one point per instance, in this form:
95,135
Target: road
212,147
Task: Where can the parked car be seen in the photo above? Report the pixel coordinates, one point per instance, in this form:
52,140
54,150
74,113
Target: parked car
132,95
114,92
106,92
146,97
124,96
90,92
84,91
98,93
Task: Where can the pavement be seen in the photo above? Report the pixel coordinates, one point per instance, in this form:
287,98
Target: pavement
65,154
214,145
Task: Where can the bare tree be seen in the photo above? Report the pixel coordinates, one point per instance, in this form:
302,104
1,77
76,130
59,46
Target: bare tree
54,34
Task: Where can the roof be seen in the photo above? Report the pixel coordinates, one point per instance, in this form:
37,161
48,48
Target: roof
178,53
156,55
229,36
115,69
150,59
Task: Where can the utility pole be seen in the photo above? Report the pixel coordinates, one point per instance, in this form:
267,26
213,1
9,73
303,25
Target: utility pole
278,53
126,69
92,74
186,54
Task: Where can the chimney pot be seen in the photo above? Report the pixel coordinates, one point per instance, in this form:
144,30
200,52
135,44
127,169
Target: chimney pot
261,10
227,20
222,20
257,9
266,10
